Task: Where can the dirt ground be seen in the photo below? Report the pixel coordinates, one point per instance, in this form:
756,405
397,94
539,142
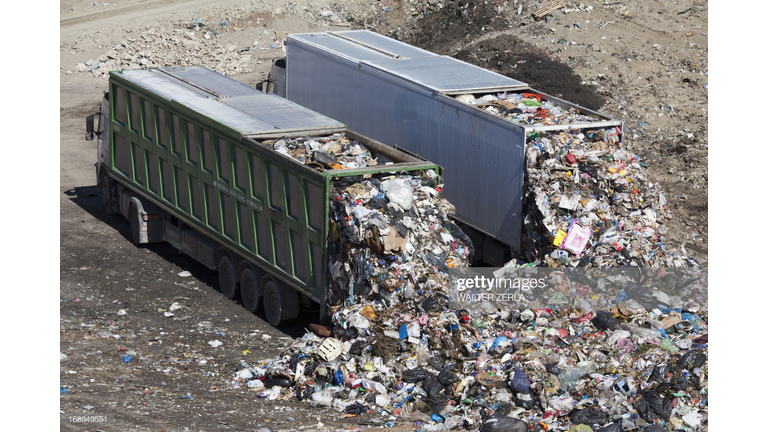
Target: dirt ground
644,63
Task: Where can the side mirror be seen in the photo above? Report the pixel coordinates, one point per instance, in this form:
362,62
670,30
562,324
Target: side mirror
89,127
260,86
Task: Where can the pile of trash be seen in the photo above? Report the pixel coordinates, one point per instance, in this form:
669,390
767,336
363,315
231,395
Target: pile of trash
390,240
589,203
400,349
526,109
329,152
539,369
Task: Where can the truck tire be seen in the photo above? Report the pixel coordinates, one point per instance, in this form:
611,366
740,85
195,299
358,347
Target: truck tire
281,304
103,187
227,279
134,218
249,290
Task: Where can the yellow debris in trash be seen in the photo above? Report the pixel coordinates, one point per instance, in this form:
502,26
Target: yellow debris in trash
559,237
368,312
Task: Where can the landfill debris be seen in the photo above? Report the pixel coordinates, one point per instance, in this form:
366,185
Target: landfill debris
330,152
590,204
577,358
526,109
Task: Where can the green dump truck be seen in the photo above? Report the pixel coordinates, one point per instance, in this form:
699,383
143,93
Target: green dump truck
184,154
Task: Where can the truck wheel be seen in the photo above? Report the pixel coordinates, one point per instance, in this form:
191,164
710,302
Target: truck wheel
104,191
227,280
133,217
249,291
281,304
103,188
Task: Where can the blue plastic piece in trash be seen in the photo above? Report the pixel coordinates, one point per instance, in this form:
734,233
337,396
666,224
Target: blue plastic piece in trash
62,390
498,341
403,332
693,319
127,358
339,378
520,382
621,296
663,333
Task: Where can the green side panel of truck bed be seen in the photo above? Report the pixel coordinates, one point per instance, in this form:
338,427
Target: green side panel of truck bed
268,210
189,159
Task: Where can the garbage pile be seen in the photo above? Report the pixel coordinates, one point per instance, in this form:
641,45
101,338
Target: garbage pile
526,109
401,351
528,369
329,152
589,203
390,240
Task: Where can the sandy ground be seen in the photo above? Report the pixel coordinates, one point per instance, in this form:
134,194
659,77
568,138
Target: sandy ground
638,58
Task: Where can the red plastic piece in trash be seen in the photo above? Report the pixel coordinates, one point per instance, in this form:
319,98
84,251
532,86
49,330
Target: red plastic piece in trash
531,96
570,158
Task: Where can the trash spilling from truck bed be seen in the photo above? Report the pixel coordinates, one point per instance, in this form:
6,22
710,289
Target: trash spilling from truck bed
590,203
409,344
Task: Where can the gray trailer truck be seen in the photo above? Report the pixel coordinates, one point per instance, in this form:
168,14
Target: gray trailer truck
186,155
410,98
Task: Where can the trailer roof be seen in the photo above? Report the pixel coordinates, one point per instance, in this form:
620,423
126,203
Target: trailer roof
226,100
398,59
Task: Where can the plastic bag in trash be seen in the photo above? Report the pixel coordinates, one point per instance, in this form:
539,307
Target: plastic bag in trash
641,295
446,377
554,370
612,427
605,321
432,386
356,408
654,406
520,382
589,416
415,375
277,381
400,193
504,424
692,359
660,371
304,392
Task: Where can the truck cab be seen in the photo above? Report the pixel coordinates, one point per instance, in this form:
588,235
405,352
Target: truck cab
275,82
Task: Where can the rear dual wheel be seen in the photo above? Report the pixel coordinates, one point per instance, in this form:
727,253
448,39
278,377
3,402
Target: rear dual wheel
227,279
249,290
281,303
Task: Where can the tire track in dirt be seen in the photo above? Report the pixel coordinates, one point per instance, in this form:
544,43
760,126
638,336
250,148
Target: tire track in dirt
134,11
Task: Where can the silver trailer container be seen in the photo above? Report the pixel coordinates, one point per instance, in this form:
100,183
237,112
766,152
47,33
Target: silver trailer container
404,96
